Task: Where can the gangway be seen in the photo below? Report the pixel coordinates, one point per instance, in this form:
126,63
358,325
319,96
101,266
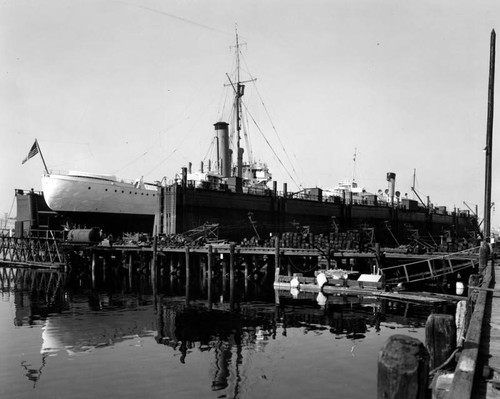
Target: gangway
431,267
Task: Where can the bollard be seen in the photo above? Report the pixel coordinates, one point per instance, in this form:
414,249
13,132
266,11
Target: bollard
484,256
403,369
474,281
440,338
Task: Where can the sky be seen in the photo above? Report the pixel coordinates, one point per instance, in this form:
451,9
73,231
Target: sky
133,88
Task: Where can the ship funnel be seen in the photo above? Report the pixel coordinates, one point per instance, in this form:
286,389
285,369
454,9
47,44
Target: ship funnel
391,178
224,161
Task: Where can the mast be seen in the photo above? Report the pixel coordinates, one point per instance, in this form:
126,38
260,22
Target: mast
239,93
489,141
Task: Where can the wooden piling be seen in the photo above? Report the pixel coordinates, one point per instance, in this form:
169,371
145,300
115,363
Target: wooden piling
93,267
246,271
224,274
440,338
231,275
153,264
130,270
104,267
403,369
474,281
187,275
171,269
209,281
277,263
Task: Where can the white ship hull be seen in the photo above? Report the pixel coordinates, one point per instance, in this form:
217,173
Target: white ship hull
97,194
103,201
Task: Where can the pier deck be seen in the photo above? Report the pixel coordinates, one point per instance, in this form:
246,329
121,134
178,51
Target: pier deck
487,379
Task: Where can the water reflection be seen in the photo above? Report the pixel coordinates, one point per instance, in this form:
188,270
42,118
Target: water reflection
78,315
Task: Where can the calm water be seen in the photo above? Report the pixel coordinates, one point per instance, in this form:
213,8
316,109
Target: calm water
70,336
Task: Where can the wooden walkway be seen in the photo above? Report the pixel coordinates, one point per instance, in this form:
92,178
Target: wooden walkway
487,380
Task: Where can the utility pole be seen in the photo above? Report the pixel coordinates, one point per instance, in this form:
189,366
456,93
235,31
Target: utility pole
489,142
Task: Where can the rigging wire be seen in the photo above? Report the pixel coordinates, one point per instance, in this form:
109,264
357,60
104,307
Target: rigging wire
270,120
271,147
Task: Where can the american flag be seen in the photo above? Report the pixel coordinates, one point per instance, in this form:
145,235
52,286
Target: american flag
33,151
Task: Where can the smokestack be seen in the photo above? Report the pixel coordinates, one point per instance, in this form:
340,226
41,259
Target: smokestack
391,178
222,131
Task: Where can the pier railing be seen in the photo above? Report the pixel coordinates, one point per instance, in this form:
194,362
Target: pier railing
40,248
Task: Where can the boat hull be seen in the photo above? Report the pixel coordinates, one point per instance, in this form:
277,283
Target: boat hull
113,205
65,193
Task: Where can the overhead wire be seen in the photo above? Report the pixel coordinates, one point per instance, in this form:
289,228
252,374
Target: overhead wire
252,79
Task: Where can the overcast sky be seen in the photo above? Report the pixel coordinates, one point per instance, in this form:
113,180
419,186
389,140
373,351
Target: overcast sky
133,88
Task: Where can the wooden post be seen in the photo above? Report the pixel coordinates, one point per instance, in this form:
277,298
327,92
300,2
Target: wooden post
403,369
277,263
440,338
378,258
474,280
246,274
94,261
231,275
203,271
171,269
224,274
209,265
130,270
153,264
461,322
484,256
104,267
187,275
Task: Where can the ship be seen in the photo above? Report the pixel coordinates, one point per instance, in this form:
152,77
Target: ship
87,199
241,199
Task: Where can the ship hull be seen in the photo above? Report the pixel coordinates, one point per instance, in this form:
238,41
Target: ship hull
113,205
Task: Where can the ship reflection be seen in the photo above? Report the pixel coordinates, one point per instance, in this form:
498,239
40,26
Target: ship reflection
75,319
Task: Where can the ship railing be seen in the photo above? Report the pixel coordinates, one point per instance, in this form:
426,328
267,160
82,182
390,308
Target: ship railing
56,235
21,191
117,179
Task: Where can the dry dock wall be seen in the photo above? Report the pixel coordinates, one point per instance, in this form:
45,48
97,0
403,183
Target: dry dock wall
185,208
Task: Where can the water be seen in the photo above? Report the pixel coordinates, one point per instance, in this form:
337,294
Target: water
68,336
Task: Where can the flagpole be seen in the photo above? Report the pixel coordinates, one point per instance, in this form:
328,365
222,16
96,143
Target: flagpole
41,155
